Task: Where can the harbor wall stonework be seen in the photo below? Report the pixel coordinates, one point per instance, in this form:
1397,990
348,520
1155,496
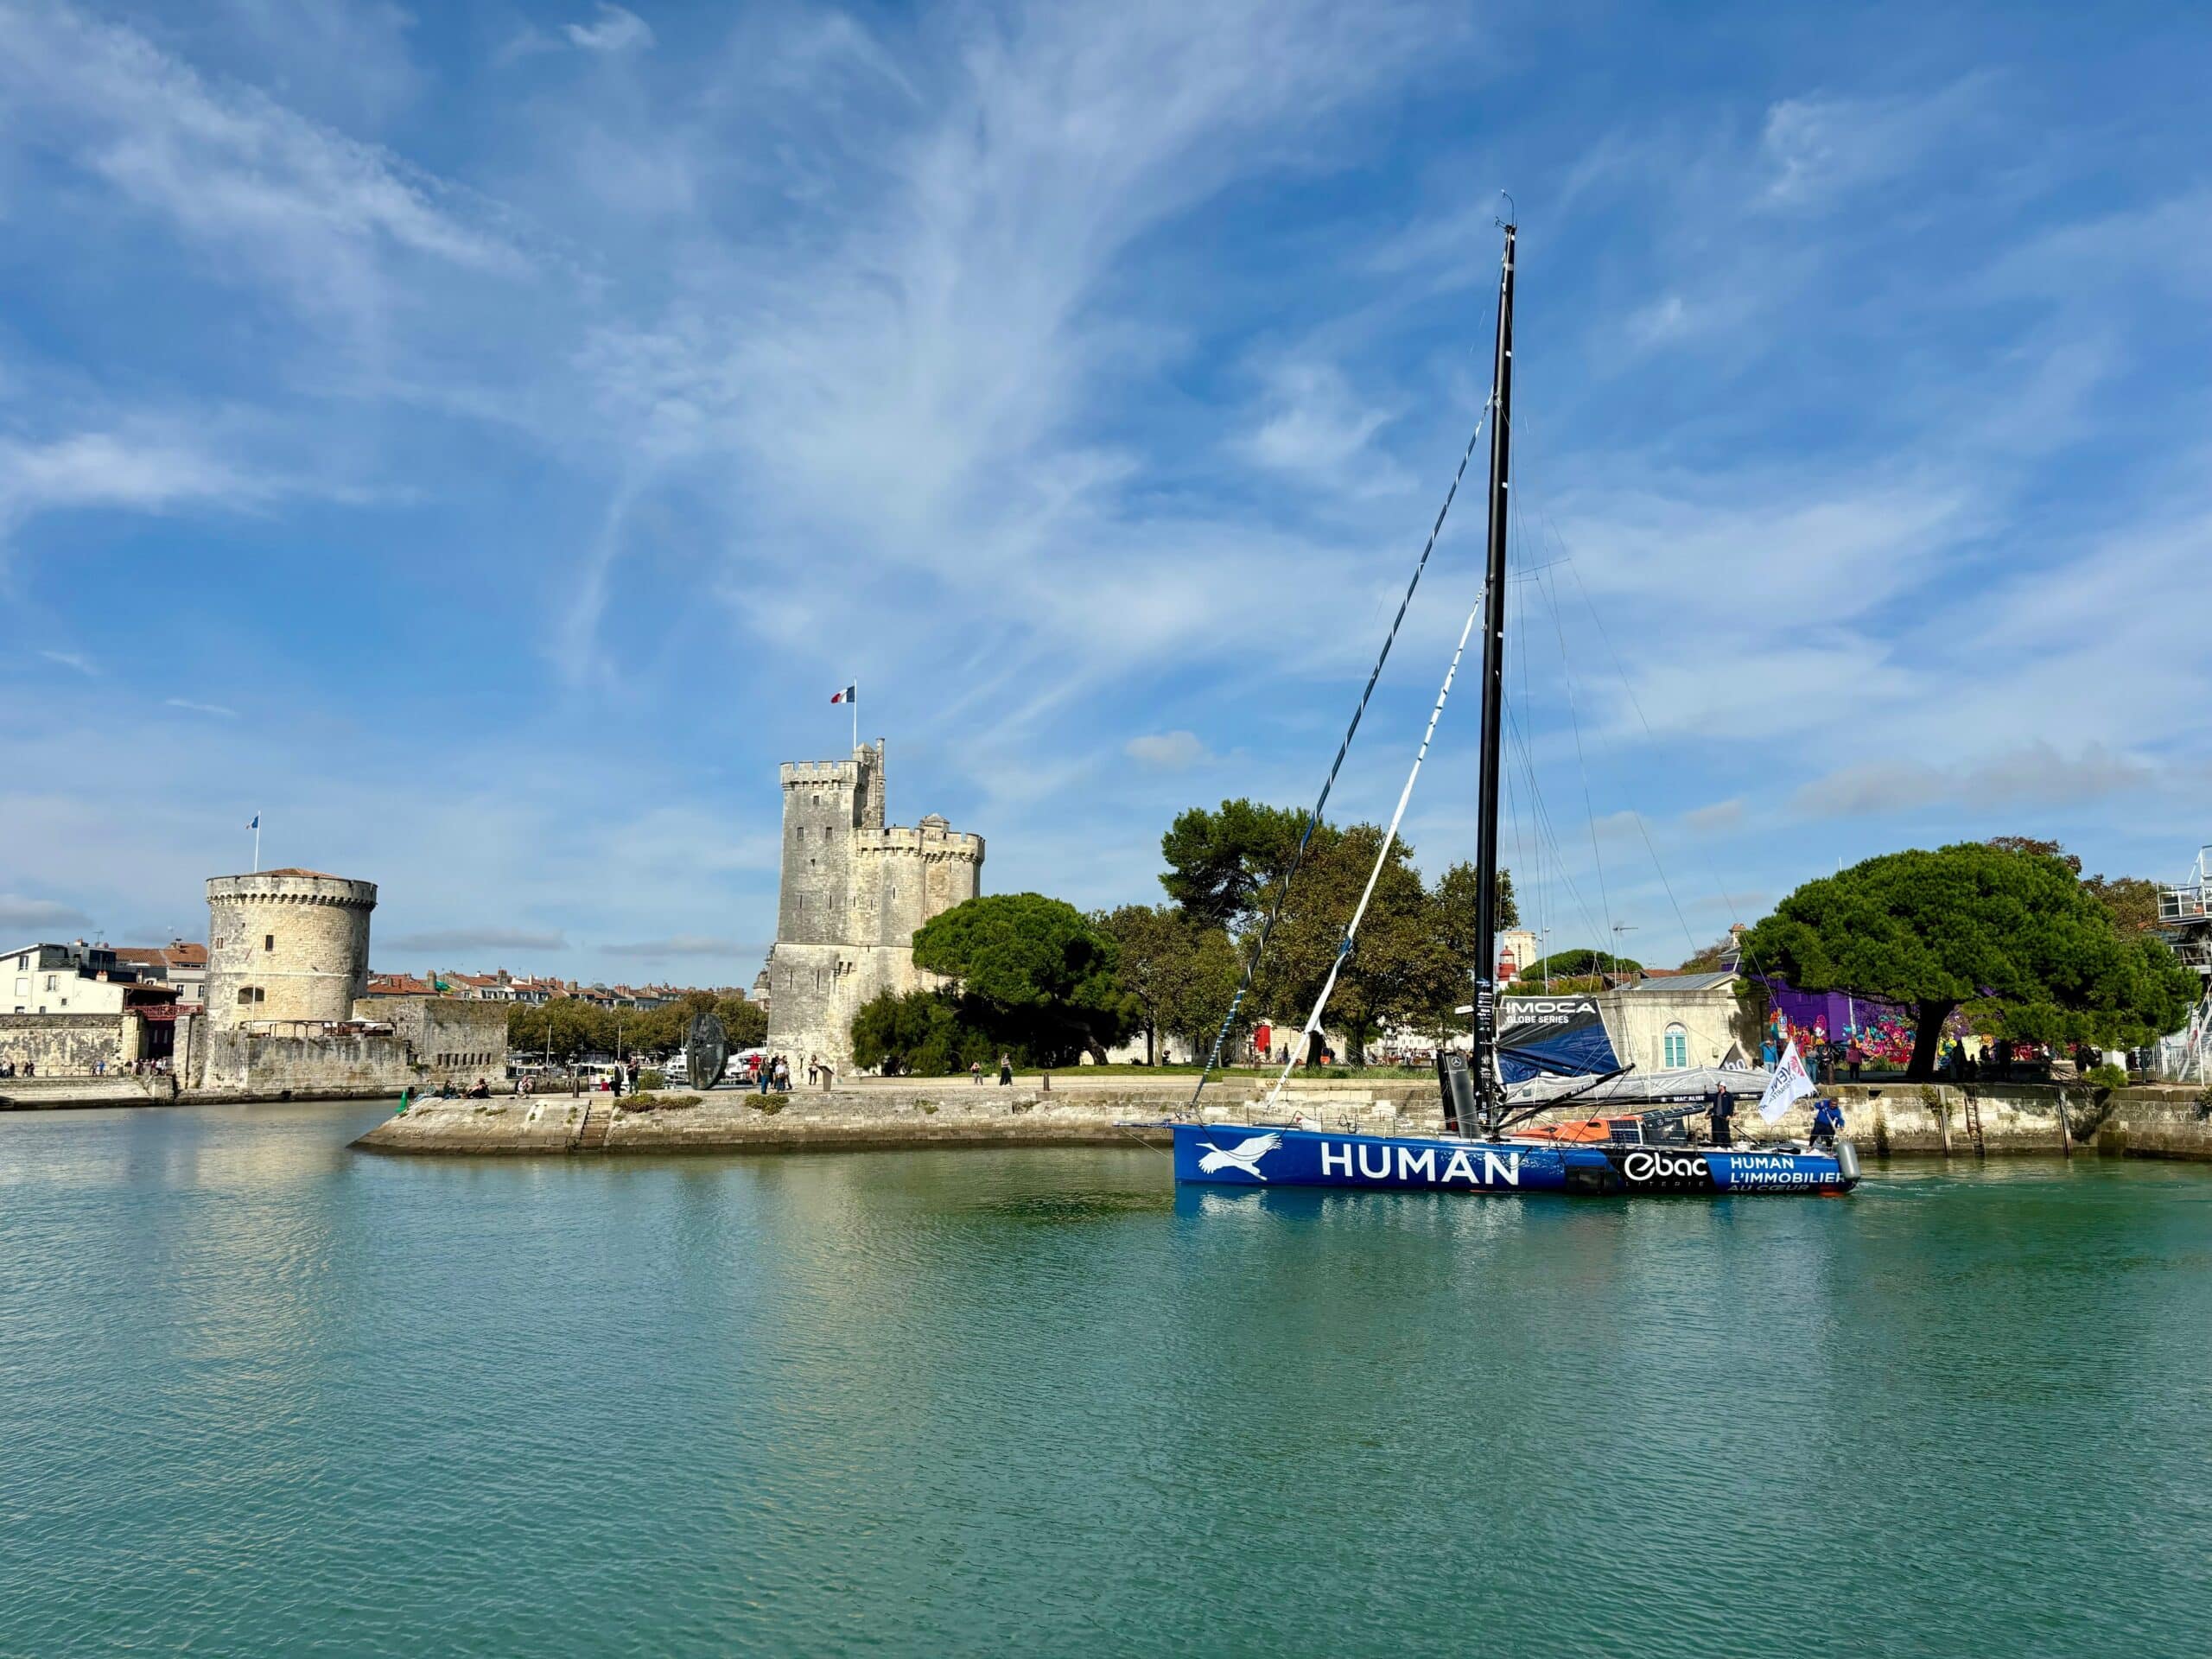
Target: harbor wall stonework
270,1065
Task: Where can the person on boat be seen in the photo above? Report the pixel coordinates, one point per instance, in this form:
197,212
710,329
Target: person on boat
1724,1115
1827,1123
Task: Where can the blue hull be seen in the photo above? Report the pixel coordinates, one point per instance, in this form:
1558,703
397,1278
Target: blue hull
1230,1155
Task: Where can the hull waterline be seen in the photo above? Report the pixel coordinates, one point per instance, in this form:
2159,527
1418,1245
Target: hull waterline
1235,1154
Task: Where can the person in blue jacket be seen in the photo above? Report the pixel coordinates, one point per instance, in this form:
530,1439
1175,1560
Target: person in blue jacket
1827,1123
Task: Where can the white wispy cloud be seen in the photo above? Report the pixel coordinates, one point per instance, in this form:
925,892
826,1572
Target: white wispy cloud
147,468
1819,147
192,708
1311,425
948,322
616,30
246,180
1171,751
74,660
2033,774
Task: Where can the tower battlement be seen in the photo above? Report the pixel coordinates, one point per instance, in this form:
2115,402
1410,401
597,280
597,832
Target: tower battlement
800,773
934,843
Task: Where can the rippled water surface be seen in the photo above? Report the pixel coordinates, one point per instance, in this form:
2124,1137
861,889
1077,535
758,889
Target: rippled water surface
259,1395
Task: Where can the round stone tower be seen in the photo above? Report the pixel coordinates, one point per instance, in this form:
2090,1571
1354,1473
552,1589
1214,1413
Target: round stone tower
286,944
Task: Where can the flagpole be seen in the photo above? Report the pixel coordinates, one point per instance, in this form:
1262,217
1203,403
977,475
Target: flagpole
856,701
257,843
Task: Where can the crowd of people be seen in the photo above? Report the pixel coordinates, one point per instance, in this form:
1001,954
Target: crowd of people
99,1068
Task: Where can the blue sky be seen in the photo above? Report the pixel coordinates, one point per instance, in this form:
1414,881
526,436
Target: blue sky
479,438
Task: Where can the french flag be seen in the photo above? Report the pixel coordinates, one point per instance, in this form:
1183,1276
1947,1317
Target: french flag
850,694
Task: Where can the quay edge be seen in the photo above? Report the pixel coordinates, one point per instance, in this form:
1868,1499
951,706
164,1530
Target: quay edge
1883,1120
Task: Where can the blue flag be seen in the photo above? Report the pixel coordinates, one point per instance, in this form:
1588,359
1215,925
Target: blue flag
256,824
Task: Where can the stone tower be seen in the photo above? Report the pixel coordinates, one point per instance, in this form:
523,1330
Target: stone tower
286,944
854,891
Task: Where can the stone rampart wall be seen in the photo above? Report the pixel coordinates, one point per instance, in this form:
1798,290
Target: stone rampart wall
257,1066
450,1039
70,1044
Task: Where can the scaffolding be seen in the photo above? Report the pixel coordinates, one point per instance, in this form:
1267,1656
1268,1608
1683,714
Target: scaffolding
2185,923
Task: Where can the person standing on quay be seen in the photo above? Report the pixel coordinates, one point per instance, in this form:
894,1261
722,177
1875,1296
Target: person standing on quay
1006,1070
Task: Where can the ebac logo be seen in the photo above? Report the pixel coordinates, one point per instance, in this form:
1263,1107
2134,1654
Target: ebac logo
1662,1166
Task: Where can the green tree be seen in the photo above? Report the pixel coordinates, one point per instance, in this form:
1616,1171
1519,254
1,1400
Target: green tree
1180,973
745,1020
1401,970
567,1027
1199,998
2132,902
1033,972
919,1033
2010,936
1222,866
2040,848
1454,903
1579,964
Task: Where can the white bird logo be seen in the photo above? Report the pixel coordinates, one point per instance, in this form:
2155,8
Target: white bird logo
1245,1156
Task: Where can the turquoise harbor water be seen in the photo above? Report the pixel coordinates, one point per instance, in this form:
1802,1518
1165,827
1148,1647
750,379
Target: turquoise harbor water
259,1395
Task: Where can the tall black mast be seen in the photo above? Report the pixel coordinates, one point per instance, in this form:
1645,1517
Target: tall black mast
1490,1092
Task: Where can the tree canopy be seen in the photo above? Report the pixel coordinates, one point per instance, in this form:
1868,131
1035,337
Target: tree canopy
1034,972
1414,957
1180,972
574,1028
2132,901
919,1033
1580,962
1222,865
2010,934
1411,964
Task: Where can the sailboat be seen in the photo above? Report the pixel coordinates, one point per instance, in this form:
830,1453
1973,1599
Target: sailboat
1489,1142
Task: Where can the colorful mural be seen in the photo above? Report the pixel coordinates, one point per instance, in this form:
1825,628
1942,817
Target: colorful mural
1883,1032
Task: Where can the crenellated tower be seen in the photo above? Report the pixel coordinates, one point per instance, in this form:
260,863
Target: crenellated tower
854,890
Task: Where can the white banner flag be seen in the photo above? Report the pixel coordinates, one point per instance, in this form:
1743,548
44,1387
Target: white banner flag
1788,1084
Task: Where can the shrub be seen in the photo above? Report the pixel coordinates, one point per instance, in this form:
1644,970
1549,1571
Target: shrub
2105,1077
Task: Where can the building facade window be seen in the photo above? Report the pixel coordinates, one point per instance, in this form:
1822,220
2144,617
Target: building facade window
1676,1045
250,994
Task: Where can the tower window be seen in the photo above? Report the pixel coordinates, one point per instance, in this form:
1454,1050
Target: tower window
269,941
250,994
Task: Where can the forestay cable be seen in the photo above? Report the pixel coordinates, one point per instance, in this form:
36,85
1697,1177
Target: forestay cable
1313,820
1382,858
